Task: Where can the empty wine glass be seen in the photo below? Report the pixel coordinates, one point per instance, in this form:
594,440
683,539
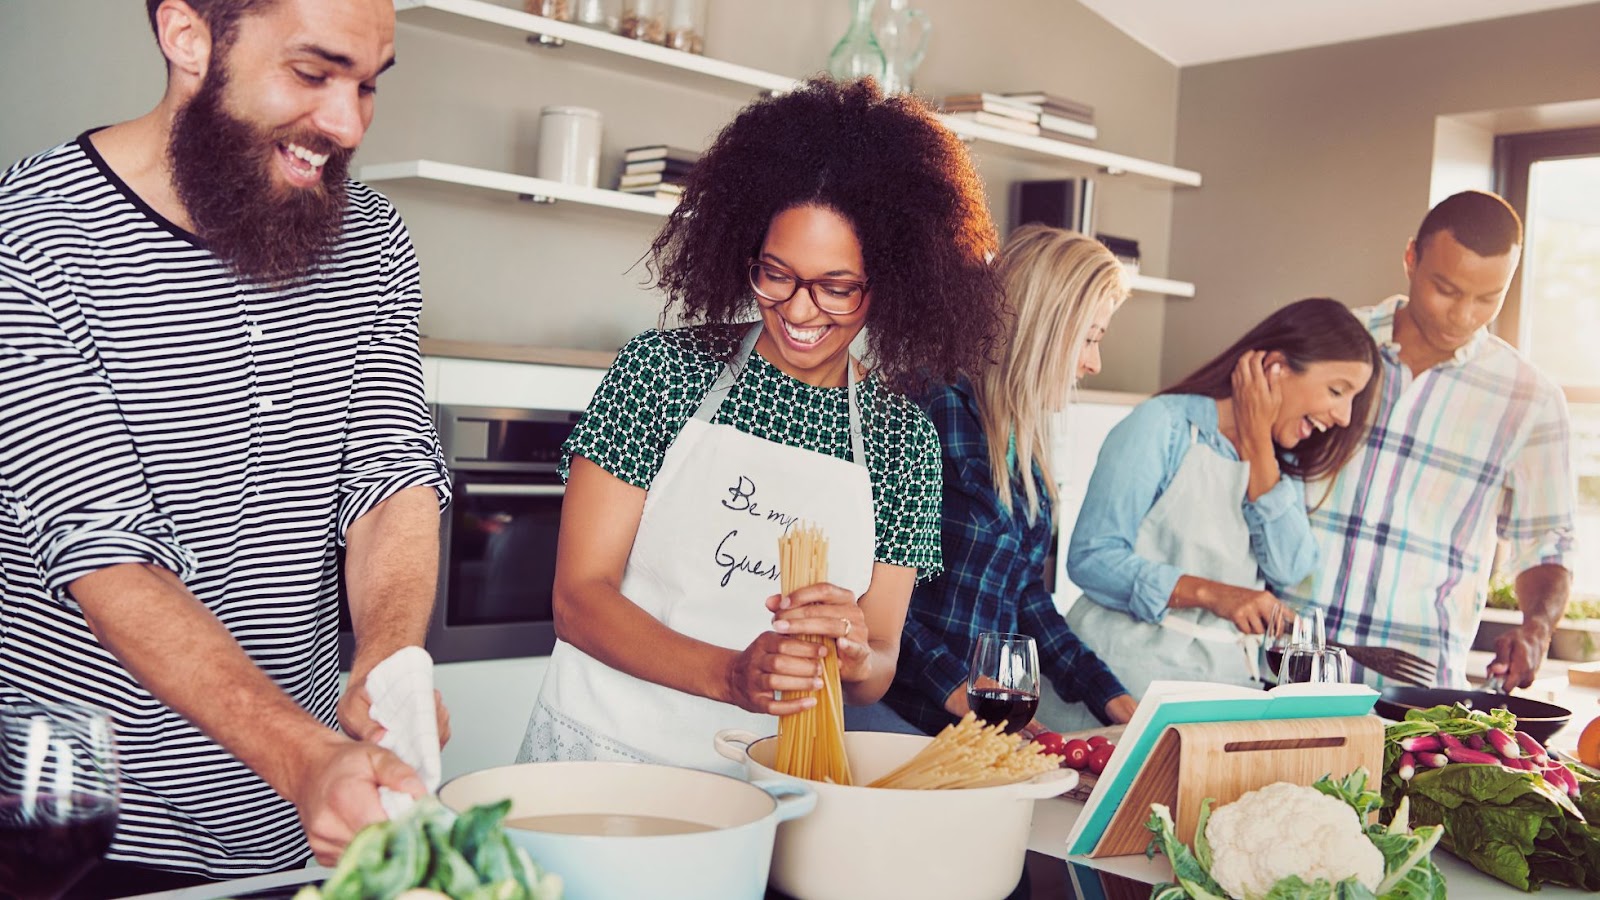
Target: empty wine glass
58,796
1003,681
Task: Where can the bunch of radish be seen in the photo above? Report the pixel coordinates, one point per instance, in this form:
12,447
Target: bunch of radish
1516,751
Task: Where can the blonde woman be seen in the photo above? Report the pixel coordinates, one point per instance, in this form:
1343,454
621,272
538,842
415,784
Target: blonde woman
994,430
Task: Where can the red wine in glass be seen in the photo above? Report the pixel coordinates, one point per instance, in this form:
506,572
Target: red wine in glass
43,855
1003,680
58,796
998,706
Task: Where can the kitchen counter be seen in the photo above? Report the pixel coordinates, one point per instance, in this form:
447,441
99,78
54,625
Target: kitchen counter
1048,874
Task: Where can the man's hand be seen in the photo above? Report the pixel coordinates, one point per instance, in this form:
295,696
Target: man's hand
336,791
1542,594
355,714
1519,653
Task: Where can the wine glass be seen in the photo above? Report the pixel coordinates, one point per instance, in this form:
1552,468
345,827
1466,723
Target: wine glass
1003,682
58,796
1308,658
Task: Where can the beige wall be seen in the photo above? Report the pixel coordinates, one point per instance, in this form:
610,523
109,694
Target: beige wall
1318,162
495,269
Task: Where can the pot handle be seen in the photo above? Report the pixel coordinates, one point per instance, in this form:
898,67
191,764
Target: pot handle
794,799
1050,784
733,742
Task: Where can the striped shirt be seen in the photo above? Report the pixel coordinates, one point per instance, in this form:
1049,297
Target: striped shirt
158,410
1472,450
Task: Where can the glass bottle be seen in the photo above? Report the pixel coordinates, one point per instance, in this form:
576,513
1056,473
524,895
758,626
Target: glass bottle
596,14
560,10
686,26
903,36
644,20
857,55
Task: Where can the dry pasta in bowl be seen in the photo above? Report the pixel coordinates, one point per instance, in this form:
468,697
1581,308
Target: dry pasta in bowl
970,755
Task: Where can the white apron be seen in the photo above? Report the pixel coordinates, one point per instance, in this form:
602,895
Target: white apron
703,563
1198,526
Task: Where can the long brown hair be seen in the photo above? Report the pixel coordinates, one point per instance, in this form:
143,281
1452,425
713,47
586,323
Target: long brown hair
1305,332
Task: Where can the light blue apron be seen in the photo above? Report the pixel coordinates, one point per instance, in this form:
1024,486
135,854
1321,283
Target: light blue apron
1198,526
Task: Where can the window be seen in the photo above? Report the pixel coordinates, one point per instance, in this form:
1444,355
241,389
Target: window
1553,310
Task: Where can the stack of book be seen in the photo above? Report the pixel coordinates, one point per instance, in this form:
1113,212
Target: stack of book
995,110
656,170
1059,117
1031,112
1124,249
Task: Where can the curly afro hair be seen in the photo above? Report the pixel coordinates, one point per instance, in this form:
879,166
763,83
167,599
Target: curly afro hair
887,165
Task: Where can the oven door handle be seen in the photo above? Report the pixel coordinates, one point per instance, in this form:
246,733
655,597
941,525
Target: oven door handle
502,489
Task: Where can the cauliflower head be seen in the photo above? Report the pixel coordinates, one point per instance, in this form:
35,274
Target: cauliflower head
1286,829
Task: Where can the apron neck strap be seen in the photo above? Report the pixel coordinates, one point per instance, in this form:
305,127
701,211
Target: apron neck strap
712,401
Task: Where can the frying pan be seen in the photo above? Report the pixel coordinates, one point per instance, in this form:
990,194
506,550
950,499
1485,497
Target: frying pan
1540,720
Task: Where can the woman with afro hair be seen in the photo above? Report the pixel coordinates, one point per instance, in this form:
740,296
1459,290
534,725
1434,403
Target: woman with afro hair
814,216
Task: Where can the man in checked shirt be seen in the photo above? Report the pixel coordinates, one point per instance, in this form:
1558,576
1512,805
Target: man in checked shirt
1470,446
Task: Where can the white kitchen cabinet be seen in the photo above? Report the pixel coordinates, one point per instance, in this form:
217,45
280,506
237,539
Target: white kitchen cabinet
492,23
1079,433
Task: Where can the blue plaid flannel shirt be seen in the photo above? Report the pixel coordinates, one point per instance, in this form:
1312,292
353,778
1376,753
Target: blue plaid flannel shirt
993,580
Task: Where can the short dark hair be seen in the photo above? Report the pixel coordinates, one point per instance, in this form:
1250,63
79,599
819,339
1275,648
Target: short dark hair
221,17
1480,221
904,182
1307,331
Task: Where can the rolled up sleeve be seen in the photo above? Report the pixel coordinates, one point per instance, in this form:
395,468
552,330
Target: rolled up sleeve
1280,533
1537,516
390,440
1129,475
70,475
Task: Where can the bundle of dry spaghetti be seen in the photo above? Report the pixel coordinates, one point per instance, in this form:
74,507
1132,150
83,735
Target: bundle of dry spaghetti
811,742
970,755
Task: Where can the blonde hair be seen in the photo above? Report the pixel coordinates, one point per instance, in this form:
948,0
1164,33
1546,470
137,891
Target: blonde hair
1055,282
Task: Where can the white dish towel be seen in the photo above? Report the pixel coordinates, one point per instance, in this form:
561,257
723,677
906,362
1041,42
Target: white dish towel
401,688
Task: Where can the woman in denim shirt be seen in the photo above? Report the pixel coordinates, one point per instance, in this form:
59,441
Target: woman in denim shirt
1197,506
998,491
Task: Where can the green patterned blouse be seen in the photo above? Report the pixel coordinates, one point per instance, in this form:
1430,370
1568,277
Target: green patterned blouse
660,377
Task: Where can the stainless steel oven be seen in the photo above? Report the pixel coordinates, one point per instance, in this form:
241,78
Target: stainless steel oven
498,546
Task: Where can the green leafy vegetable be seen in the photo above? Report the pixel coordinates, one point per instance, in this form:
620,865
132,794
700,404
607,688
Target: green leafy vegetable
1514,825
466,857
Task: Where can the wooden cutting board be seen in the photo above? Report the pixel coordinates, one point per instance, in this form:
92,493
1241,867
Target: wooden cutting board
1086,779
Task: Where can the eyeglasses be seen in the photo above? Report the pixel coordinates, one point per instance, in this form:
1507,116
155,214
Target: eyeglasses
834,296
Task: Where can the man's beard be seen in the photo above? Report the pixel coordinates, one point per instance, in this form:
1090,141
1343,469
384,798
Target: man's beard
222,167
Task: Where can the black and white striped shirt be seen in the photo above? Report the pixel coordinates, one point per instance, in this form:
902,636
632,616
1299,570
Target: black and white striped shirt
155,409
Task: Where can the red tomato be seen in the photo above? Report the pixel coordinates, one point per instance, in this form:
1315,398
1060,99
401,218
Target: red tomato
1077,753
1099,757
1051,743
1096,740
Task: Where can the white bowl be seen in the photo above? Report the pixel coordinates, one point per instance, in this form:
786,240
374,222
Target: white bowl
728,861
962,844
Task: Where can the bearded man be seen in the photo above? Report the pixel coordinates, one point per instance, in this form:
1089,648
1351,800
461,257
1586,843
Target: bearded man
209,383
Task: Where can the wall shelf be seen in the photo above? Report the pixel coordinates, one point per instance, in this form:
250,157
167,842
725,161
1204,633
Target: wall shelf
524,187
1150,284
519,185
488,22
483,21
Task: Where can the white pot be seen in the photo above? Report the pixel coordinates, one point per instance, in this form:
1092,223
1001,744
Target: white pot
729,861
964,844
